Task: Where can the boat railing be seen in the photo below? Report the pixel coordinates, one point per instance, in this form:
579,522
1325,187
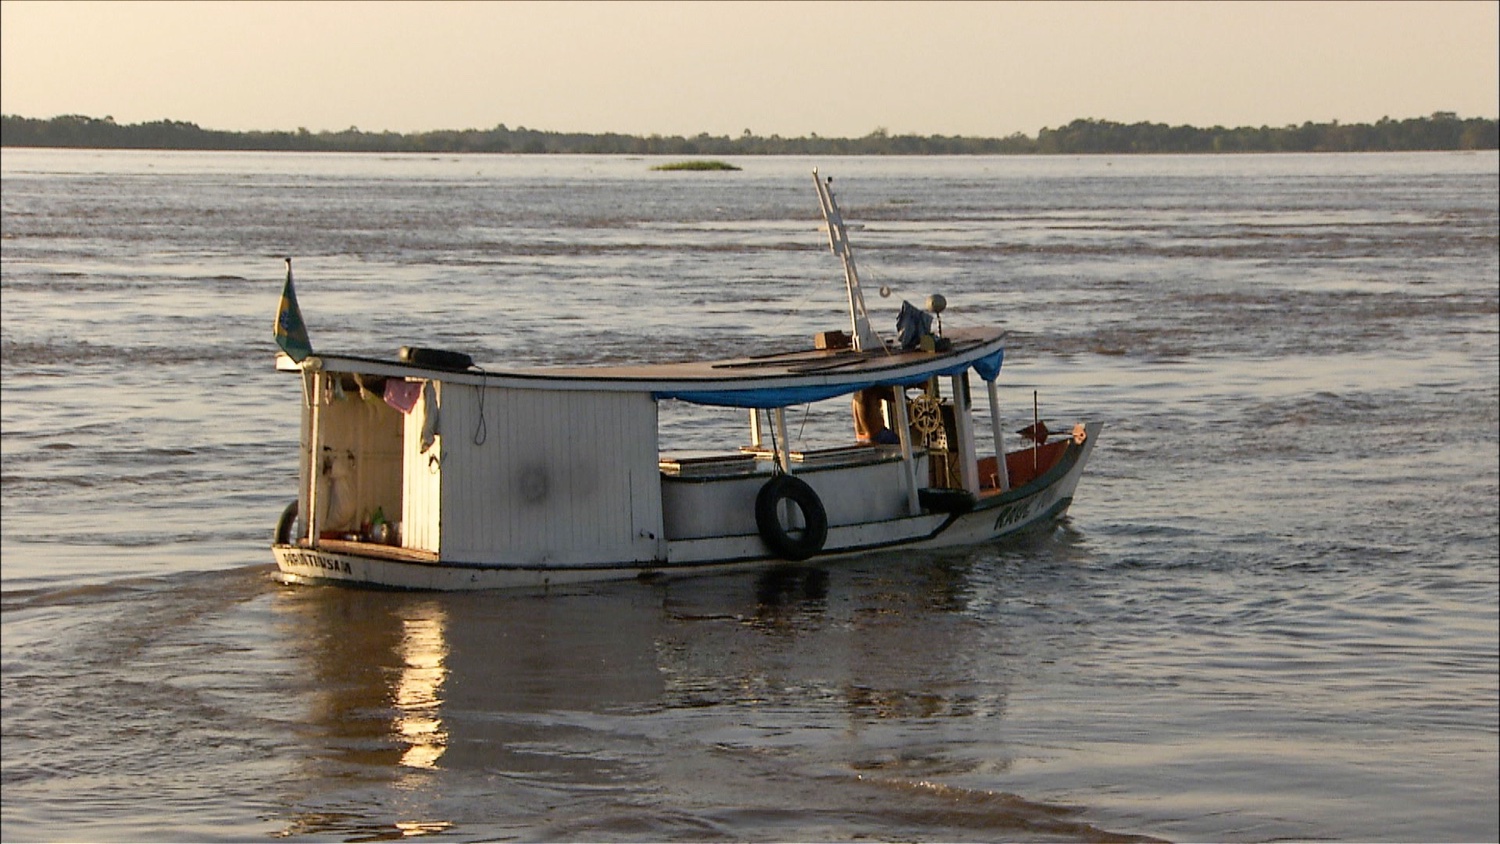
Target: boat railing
1023,466
707,465
756,460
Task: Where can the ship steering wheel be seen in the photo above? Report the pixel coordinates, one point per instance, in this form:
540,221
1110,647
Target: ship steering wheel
926,416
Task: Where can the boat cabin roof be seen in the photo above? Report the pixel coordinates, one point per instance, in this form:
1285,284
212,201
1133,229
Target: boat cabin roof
763,381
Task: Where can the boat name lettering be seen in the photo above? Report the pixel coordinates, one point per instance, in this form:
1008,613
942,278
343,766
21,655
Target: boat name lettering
317,561
1014,514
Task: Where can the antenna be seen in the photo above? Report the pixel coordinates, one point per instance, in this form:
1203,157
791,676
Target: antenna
838,242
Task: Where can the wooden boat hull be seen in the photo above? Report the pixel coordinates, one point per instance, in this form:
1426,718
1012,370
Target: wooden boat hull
984,519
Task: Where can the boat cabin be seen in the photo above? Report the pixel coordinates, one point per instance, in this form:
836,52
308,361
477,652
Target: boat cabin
563,467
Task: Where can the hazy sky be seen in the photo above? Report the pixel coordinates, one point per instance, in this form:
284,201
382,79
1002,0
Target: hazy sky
835,69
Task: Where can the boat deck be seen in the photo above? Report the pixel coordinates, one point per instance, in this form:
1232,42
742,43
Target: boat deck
375,549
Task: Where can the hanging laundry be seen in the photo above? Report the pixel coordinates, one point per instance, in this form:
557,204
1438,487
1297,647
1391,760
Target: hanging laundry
403,395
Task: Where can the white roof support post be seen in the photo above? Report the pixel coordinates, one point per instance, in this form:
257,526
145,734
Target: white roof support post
754,427
783,447
838,242
903,428
963,420
1001,472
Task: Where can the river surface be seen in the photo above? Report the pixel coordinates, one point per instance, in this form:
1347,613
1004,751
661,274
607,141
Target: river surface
1271,612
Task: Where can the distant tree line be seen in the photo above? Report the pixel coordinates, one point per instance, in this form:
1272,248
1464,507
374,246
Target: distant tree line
1441,131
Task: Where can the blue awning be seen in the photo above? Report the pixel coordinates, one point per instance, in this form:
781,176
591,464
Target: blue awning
766,398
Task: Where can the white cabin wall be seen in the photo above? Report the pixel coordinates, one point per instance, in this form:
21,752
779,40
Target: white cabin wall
421,475
550,477
379,467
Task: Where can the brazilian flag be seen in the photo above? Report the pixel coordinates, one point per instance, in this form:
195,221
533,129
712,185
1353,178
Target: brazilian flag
291,333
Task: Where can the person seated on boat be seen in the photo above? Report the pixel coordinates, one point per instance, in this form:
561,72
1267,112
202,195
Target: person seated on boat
869,417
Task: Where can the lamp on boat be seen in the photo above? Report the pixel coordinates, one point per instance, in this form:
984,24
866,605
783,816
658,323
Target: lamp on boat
937,303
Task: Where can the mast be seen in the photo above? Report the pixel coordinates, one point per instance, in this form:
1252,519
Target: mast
838,242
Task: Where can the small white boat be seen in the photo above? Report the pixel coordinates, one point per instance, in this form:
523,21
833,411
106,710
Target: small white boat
426,472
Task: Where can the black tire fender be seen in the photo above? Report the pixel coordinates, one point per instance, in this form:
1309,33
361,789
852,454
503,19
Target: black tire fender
782,542
285,523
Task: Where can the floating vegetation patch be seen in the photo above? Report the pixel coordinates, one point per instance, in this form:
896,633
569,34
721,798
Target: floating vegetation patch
696,165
